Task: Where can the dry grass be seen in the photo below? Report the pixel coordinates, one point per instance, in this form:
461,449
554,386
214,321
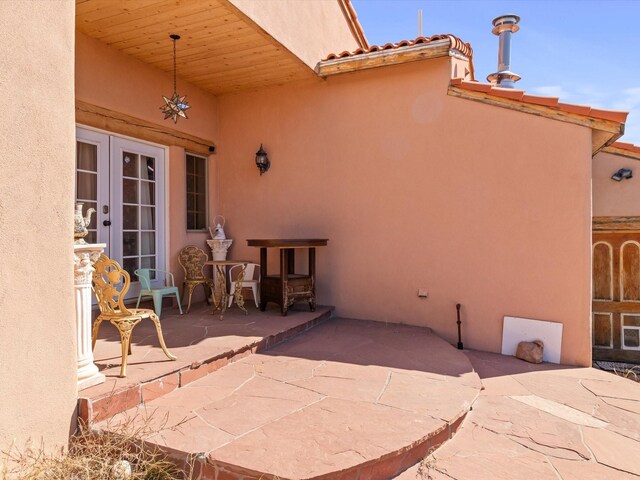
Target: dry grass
427,467
95,455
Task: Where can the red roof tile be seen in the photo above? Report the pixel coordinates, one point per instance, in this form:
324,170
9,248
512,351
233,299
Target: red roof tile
626,146
551,102
456,44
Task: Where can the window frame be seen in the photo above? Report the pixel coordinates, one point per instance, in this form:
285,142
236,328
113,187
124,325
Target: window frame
205,228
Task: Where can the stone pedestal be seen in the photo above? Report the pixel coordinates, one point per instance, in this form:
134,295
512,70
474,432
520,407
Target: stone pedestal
84,257
219,248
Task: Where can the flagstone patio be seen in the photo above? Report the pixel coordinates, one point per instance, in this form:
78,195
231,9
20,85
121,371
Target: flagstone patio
347,399
351,399
201,342
544,422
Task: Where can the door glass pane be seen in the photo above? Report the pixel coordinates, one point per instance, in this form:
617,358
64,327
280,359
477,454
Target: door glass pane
148,218
130,243
131,265
147,168
86,186
148,243
147,193
87,156
149,262
130,165
129,217
129,191
631,338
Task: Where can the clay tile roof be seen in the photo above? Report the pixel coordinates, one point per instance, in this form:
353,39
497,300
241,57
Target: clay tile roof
456,44
551,102
626,146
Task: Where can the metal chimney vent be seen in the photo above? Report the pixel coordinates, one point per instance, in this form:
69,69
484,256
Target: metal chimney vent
503,27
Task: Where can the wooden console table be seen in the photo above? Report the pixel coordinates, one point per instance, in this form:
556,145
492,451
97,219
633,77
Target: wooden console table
288,287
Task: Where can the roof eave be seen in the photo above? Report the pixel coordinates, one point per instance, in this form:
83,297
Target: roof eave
382,58
615,149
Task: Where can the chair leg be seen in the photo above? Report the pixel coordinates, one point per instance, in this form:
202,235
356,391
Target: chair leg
139,297
157,303
125,329
189,292
254,289
179,304
94,335
154,318
231,294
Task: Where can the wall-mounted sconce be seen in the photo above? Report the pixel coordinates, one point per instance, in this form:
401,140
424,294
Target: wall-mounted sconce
622,173
262,161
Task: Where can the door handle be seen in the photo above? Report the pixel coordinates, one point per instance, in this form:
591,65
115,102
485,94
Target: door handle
107,223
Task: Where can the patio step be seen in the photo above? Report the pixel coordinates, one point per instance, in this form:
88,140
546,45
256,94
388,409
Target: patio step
203,345
349,399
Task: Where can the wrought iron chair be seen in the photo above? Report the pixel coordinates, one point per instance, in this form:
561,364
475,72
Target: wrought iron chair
110,285
251,280
144,274
192,260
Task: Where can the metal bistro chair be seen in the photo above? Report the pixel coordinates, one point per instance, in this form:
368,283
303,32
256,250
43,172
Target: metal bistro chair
192,260
110,285
144,274
250,281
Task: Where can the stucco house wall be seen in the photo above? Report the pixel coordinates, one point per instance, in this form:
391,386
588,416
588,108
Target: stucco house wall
110,79
611,198
416,189
37,314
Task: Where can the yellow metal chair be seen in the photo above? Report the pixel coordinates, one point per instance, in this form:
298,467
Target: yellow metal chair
110,285
192,260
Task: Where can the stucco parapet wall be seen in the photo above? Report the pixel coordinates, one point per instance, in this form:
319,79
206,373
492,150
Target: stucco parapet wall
421,48
607,125
623,148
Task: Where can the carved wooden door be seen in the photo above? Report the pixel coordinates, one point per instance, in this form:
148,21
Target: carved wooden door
616,296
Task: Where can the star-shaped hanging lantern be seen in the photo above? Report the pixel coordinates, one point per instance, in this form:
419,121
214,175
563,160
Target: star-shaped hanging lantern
176,106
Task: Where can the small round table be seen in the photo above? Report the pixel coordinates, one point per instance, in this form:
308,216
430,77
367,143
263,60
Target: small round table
220,294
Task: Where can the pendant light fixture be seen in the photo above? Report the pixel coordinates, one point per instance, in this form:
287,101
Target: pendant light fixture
175,106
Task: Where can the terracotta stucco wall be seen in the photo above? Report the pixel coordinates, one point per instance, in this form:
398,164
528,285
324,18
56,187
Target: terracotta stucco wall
611,198
37,138
110,79
416,189
310,29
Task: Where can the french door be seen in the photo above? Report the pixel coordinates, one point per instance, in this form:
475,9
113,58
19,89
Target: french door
124,181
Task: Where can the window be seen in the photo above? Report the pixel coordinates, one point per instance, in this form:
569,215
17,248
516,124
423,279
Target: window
196,192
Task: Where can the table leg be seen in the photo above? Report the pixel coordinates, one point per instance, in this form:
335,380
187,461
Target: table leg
263,274
238,297
312,274
284,281
220,296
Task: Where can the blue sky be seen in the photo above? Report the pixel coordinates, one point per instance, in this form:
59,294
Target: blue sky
583,51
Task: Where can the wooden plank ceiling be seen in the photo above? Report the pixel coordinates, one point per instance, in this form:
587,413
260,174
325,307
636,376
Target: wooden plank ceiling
221,50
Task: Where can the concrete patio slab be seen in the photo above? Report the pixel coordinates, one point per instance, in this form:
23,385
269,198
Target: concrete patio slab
202,344
543,422
347,399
